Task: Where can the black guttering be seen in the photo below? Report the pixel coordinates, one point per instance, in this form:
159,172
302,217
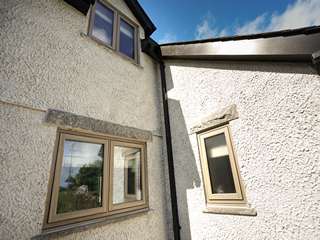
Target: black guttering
150,47
282,33
172,181
148,26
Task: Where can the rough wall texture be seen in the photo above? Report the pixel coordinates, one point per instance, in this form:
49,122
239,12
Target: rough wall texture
276,140
46,63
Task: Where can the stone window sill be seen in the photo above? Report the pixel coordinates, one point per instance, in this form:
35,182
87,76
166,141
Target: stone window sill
231,210
85,225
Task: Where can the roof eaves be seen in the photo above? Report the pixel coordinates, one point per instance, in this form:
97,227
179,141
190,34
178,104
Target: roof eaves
293,47
142,16
146,23
282,33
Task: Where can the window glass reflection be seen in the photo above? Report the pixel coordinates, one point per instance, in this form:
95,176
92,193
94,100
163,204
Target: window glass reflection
81,176
126,175
219,164
126,39
103,24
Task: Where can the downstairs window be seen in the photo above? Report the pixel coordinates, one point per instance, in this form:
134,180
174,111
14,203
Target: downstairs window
95,176
219,167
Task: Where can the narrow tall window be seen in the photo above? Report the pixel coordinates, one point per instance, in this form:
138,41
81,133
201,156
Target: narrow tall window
126,181
103,24
126,39
219,167
94,176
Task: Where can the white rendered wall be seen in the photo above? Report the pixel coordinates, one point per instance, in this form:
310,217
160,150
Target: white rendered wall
46,63
276,140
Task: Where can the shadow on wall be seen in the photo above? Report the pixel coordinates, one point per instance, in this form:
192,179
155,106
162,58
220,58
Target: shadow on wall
186,173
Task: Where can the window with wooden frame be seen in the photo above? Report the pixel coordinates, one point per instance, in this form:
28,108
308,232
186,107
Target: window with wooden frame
220,170
110,27
95,176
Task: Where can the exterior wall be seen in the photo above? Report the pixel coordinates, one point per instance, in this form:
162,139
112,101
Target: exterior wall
47,63
276,140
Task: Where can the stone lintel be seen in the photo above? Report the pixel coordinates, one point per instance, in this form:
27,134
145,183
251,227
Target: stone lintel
215,119
73,121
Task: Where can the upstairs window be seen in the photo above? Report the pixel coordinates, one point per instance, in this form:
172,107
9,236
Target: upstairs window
103,24
126,42
111,28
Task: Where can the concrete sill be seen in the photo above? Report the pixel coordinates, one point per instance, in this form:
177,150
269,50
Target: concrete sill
85,225
231,210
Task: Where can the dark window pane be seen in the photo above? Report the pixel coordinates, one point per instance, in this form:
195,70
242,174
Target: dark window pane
81,177
127,184
131,186
219,164
103,24
126,39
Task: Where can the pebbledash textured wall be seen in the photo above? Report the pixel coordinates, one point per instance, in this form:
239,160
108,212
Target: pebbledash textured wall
276,140
46,61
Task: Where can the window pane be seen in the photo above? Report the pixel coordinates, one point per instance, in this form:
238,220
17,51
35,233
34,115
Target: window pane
219,164
81,177
126,39
126,175
103,24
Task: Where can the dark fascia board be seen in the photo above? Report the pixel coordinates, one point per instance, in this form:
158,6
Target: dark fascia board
146,23
141,16
152,48
282,33
81,5
298,47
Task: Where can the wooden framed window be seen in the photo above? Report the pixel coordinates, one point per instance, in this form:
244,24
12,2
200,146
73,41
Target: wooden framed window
126,175
95,176
127,39
110,27
102,24
219,167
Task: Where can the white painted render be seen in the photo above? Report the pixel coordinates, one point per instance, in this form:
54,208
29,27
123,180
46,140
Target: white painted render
276,140
46,61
